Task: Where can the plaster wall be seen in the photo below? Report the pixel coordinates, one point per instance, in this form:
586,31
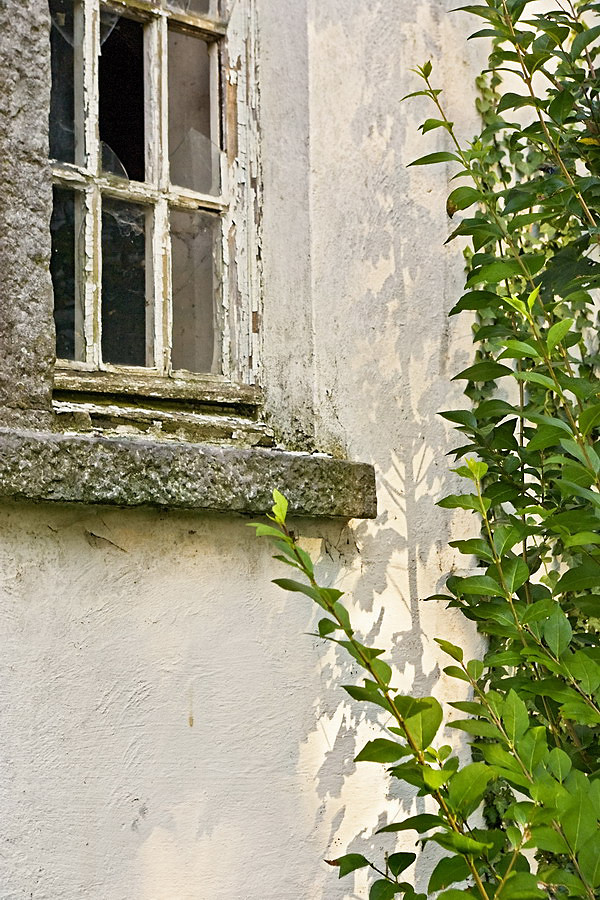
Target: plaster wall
169,731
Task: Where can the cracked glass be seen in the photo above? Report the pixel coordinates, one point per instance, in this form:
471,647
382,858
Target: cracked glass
195,291
62,96
192,151
121,96
124,338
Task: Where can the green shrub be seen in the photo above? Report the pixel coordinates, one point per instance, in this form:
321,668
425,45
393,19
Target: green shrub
529,190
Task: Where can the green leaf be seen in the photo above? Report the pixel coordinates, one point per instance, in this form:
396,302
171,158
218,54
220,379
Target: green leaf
421,823
559,764
536,378
495,272
583,39
461,843
515,573
349,863
589,418
263,530
423,726
280,507
557,632
298,587
515,716
435,778
579,578
462,501
589,861
476,727
448,871
468,786
451,649
431,158
382,890
475,669
561,106
430,124
382,751
398,862
474,547
513,101
579,822
481,585
521,886
558,332
326,626
483,371
461,198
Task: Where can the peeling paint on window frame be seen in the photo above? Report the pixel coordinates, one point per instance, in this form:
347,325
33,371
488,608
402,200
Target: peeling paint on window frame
234,99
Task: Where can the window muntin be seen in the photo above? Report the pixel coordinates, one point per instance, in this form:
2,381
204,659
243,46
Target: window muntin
129,292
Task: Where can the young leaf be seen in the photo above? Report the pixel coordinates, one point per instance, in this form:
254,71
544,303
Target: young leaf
558,332
280,507
421,823
348,863
382,751
451,649
483,371
432,158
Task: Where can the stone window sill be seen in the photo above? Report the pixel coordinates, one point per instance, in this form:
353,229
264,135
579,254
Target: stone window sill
132,471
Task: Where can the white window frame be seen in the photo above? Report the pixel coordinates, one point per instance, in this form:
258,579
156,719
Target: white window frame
231,42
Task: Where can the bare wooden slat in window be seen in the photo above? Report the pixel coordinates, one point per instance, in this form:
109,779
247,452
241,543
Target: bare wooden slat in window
124,282
195,343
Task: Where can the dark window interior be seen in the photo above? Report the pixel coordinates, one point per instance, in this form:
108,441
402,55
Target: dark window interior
62,107
121,79
62,270
123,282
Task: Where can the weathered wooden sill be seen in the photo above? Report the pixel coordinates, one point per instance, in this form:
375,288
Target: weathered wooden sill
130,472
201,390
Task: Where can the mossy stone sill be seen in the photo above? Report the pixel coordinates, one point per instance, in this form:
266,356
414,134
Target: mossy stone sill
70,468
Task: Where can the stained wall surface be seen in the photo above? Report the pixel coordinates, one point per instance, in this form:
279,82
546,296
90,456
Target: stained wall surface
169,729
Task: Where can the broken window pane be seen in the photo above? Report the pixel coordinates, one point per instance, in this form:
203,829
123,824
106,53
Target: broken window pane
192,153
64,223
199,7
195,312
123,282
62,102
121,86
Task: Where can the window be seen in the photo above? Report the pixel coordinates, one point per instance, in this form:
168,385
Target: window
150,224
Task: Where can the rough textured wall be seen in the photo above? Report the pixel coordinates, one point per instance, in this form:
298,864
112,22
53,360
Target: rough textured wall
169,730
26,326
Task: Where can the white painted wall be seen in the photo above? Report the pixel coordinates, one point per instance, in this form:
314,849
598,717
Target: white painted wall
169,731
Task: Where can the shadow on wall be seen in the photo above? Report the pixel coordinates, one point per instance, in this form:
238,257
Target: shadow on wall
385,354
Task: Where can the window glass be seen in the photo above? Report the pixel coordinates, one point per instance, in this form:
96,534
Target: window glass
199,7
63,228
62,105
191,149
124,329
121,87
195,330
